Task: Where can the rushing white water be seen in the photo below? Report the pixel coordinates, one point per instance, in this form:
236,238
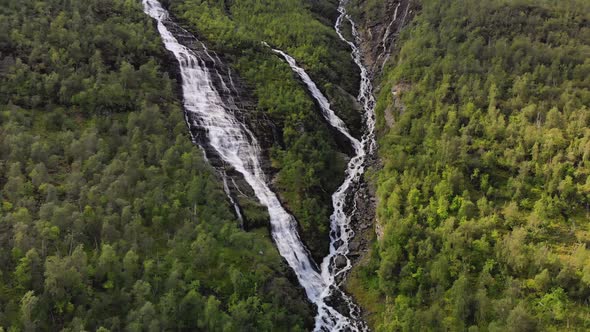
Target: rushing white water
223,176
341,231
365,96
238,147
231,199
386,53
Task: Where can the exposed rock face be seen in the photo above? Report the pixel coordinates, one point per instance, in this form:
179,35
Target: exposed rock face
340,262
364,218
397,107
380,31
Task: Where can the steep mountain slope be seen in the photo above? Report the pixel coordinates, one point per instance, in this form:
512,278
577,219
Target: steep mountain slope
110,218
306,155
381,23
483,116
107,204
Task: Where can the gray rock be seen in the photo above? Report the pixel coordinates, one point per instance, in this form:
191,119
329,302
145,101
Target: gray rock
340,261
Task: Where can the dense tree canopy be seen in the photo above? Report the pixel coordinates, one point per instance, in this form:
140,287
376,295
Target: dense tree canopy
484,192
110,218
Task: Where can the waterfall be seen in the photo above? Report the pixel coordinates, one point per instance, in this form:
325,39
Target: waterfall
237,146
341,232
365,96
386,53
232,200
340,229
388,29
355,168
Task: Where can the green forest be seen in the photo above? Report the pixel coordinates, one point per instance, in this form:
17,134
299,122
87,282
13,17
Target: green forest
111,219
484,192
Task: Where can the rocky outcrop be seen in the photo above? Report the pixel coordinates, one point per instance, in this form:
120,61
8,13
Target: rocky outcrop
380,28
363,219
379,31
397,107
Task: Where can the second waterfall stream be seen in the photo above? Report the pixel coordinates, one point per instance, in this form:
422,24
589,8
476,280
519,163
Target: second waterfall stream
341,232
235,144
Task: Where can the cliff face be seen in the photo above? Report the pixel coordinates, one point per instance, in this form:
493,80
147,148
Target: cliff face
379,24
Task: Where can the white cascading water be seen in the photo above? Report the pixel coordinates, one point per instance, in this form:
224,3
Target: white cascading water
238,147
388,29
341,232
386,53
231,199
365,96
356,167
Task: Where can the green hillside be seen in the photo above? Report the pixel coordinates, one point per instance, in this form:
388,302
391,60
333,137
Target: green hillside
484,133
110,219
